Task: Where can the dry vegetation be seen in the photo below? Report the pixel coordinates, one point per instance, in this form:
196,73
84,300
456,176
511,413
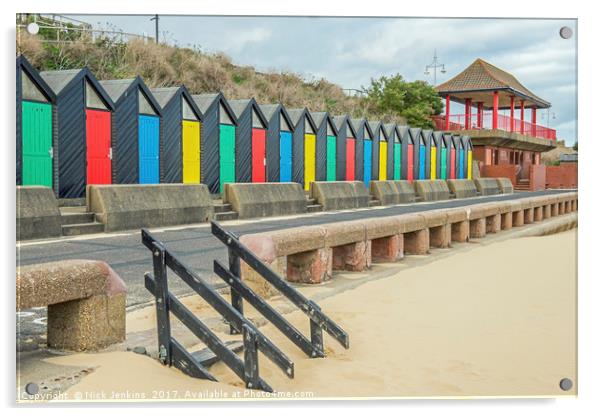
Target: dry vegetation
162,65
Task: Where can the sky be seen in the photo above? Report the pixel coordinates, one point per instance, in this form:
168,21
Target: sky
352,51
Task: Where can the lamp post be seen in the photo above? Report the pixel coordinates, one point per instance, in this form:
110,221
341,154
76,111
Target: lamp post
156,19
435,65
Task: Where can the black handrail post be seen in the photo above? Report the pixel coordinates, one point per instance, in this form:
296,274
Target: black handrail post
161,301
251,357
234,266
317,338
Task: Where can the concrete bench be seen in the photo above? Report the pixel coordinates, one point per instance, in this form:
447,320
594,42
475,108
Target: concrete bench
37,213
85,300
505,185
462,188
253,200
487,186
431,190
392,192
337,195
126,207
311,254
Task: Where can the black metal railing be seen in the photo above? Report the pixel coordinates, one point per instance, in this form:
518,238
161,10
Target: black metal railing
194,364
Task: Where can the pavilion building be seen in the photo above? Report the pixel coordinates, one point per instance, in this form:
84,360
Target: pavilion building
495,103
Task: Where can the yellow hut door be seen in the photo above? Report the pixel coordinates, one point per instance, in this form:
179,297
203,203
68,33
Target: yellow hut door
191,151
433,162
469,175
382,161
310,160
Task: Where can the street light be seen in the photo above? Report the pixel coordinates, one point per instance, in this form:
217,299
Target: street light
434,65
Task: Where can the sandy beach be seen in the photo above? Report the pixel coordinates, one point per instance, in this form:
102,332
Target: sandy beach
495,320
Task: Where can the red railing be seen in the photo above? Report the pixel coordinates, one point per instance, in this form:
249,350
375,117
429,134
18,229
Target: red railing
460,122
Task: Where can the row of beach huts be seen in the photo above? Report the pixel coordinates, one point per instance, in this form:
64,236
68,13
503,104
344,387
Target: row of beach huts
74,130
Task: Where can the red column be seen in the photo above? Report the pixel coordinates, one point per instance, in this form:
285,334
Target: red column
496,97
447,112
480,114
522,116
512,113
533,121
467,113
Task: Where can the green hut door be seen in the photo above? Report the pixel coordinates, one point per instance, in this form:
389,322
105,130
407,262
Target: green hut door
227,155
331,158
397,161
37,143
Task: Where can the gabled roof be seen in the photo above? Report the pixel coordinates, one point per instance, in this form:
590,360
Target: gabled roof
24,65
240,106
483,76
427,134
359,123
204,101
59,80
164,95
297,114
340,120
376,125
269,110
321,116
415,133
116,88
438,135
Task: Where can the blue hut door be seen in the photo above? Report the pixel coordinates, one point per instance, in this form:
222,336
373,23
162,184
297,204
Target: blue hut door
461,165
367,161
422,162
148,149
286,156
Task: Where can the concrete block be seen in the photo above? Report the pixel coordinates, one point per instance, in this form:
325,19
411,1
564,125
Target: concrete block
478,228
554,207
487,186
440,236
561,208
37,213
354,257
126,207
412,222
434,218
460,231
528,216
431,190
383,227
457,214
340,194
518,218
312,267
538,214
388,249
416,242
506,221
298,239
254,200
392,192
462,188
493,223
345,232
547,211
87,324
505,185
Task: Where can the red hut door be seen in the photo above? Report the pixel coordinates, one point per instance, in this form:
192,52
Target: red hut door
98,147
410,162
258,155
350,160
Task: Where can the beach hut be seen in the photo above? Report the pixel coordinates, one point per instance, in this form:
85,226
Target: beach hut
326,147
451,149
380,150
83,119
36,135
460,156
441,157
407,153
431,155
304,147
395,136
468,158
218,137
346,142
419,153
363,150
136,131
181,120
251,133
279,149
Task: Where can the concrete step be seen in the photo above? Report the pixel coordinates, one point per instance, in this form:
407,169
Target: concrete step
86,228
72,202
311,201
77,218
225,216
314,208
73,210
222,207
374,203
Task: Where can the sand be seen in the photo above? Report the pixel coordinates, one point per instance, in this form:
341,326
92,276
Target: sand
497,320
